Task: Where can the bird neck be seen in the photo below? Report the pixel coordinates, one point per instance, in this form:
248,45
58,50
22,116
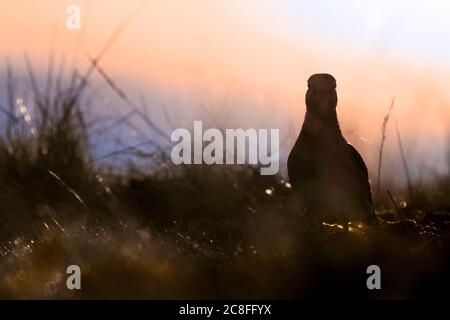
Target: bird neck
323,130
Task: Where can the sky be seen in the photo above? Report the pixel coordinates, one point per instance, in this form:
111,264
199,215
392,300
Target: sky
245,63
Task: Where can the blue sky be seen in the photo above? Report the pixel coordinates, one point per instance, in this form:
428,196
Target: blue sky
400,27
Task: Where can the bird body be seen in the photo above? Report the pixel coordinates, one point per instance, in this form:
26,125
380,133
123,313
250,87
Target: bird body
326,171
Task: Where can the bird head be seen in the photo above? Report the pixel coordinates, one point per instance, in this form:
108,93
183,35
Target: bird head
321,97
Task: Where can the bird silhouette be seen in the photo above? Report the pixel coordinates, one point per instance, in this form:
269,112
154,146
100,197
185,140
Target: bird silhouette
325,171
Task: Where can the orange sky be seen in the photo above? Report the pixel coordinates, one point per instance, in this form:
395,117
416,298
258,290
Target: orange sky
247,55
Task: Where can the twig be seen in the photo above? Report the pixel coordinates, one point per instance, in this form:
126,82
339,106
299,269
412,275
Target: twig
405,164
383,139
66,186
103,51
125,98
392,199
